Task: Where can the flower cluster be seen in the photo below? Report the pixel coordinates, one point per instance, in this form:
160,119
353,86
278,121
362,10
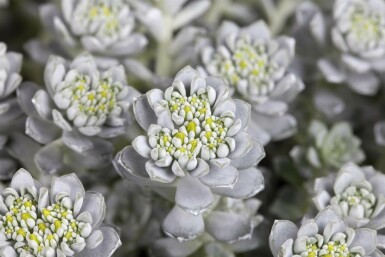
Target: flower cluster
252,62
200,135
329,149
62,221
355,30
325,235
255,66
195,140
356,193
104,28
80,106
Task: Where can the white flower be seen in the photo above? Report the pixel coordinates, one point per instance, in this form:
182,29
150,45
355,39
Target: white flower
253,62
62,221
356,193
88,102
255,65
80,107
107,29
325,235
195,140
350,39
328,148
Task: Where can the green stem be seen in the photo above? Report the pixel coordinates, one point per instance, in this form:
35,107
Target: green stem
278,15
269,9
215,13
284,10
163,58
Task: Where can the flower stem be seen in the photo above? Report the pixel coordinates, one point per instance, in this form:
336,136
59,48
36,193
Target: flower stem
215,13
278,14
163,58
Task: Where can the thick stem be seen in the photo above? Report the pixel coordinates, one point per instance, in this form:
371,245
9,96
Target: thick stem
269,8
283,11
278,15
163,58
215,13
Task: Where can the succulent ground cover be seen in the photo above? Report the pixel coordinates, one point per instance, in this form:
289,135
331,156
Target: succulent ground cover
192,128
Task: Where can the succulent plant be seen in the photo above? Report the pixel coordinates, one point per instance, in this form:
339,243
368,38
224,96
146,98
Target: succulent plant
61,221
255,66
134,214
155,15
329,148
355,30
164,110
10,114
231,226
104,28
10,79
79,107
355,193
325,235
195,141
173,37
